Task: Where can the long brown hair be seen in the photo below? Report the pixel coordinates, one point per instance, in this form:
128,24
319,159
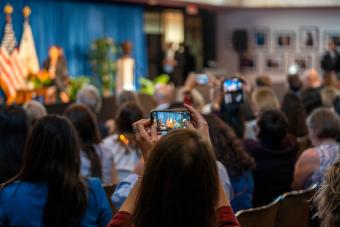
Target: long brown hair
180,183
228,147
328,198
52,156
85,122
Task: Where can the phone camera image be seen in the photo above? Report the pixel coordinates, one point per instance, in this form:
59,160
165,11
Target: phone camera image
233,93
202,79
169,120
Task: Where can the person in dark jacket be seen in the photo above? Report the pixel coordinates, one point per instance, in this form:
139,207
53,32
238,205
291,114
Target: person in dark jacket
331,60
275,155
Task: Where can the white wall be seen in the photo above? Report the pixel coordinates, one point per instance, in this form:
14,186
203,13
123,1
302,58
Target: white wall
275,19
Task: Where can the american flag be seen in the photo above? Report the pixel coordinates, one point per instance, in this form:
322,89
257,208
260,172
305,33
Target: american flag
11,73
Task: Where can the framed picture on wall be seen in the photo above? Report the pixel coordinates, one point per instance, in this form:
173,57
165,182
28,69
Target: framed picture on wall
260,38
248,62
331,35
303,61
309,37
285,40
274,63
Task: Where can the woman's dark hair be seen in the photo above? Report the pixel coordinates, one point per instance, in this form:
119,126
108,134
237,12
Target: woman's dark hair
272,126
233,115
128,113
295,83
292,106
228,147
311,99
180,183
336,105
13,135
85,122
52,156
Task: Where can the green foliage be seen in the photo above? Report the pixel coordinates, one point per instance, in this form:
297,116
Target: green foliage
148,86
102,55
75,84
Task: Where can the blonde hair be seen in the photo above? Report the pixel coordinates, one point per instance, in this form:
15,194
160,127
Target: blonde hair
327,198
265,98
328,94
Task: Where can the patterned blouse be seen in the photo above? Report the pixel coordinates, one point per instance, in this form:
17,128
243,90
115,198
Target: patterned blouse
328,154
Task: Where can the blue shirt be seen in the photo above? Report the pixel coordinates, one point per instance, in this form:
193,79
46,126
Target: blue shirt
243,187
22,204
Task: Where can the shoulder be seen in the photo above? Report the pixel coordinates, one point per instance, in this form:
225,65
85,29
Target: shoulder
309,156
94,183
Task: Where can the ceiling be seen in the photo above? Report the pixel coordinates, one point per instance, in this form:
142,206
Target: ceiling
245,3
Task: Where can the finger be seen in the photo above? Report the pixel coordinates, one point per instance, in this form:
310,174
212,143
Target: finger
154,134
195,114
189,125
142,131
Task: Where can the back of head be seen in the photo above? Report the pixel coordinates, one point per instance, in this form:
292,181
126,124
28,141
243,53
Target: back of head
263,81
311,100
323,123
34,110
128,113
273,126
312,78
328,197
328,94
86,125
228,147
265,98
90,97
13,134
52,156
295,83
180,183
163,93
127,96
292,106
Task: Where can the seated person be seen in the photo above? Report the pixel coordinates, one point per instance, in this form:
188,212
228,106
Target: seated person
324,128
123,143
239,164
48,190
275,153
180,185
96,159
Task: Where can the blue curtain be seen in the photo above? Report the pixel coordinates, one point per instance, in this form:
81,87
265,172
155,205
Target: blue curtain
75,24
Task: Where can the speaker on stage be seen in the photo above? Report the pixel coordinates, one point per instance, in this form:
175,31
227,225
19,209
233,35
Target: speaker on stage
240,40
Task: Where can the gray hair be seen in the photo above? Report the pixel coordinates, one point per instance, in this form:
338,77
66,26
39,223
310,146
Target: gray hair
34,111
89,96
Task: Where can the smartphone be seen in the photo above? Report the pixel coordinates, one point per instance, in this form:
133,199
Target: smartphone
233,91
166,120
202,79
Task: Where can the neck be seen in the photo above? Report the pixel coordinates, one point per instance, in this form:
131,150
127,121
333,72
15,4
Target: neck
326,141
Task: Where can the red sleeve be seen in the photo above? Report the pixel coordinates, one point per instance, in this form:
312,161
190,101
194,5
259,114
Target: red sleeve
120,219
226,217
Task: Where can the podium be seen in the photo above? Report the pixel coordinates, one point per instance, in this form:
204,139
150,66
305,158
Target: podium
45,95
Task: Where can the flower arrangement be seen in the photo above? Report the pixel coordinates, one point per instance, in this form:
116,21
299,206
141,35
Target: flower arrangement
148,86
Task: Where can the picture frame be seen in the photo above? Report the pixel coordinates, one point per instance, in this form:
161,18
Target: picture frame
304,61
309,37
260,38
248,62
274,63
285,40
331,34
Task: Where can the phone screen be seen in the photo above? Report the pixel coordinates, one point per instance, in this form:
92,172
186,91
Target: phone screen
169,120
233,92
202,79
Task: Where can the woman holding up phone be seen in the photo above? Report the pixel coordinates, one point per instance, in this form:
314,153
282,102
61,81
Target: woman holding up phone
180,185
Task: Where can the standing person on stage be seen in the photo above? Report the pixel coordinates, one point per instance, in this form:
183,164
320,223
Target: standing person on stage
168,60
331,59
56,67
125,70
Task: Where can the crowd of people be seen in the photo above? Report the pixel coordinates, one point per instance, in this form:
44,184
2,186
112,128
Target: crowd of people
229,158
